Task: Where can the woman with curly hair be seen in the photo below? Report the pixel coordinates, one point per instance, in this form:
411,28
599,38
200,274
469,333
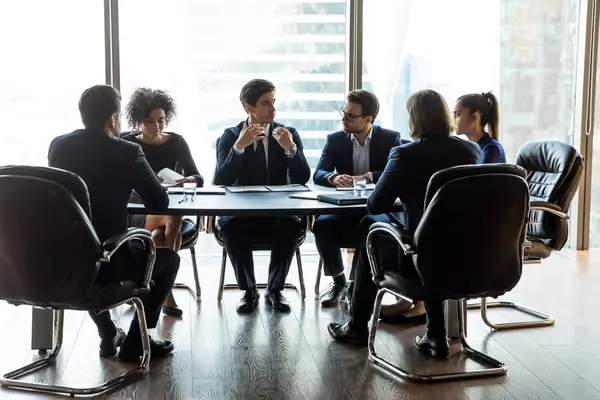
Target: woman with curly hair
148,113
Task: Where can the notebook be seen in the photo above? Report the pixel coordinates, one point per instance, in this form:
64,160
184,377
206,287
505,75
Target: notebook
342,199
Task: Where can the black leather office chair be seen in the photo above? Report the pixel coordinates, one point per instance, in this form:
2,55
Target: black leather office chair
54,266
212,226
554,170
469,244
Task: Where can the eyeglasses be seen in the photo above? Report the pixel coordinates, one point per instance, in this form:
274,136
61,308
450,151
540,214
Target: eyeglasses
348,116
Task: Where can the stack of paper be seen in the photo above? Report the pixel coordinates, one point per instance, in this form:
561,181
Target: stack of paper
169,177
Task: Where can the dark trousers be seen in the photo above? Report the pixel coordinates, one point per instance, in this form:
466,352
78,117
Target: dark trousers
242,235
390,258
131,264
332,233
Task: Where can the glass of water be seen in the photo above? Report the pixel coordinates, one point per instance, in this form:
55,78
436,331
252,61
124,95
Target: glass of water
189,191
360,187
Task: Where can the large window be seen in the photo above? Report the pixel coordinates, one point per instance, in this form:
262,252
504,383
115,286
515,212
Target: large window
204,51
524,51
51,51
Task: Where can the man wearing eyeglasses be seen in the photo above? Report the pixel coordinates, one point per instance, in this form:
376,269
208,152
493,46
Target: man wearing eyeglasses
358,152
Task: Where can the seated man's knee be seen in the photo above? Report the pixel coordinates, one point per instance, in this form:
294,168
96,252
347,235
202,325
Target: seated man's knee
323,225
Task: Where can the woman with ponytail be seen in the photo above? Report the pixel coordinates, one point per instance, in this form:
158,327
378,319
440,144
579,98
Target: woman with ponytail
475,112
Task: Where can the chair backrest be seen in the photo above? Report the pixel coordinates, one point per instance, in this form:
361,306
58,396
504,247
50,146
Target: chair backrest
216,181
554,170
48,247
469,241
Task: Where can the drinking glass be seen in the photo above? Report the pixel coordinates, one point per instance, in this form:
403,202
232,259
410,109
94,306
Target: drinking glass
189,191
360,187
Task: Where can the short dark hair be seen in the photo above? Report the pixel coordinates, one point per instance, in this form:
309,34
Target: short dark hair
428,115
143,100
252,91
367,100
97,104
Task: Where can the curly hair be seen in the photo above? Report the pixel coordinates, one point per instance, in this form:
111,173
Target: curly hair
143,100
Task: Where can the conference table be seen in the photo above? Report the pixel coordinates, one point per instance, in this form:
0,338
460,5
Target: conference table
219,201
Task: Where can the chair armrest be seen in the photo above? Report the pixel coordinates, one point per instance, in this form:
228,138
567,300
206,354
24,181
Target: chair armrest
548,207
393,230
111,245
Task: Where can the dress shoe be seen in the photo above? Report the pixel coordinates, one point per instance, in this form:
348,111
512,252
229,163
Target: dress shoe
132,351
248,302
108,346
348,334
172,311
436,347
277,302
334,295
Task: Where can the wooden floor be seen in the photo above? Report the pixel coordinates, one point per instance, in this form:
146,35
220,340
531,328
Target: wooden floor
222,355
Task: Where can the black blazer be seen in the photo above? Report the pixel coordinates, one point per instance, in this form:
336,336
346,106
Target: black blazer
408,170
238,169
174,154
337,154
111,168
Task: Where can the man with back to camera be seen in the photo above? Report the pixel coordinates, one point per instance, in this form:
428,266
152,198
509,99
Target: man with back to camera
111,168
358,152
260,151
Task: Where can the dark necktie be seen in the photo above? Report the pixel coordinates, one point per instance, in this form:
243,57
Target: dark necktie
261,163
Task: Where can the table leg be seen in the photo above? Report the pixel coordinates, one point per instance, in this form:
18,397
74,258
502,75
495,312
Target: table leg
42,329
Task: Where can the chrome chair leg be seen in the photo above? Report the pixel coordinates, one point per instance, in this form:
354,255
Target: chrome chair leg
222,277
318,280
545,319
300,274
198,293
495,367
10,379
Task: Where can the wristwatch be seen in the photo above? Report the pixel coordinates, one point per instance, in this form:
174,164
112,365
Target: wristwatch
291,151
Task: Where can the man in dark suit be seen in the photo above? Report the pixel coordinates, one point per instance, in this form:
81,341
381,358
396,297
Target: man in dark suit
406,177
359,151
111,169
260,151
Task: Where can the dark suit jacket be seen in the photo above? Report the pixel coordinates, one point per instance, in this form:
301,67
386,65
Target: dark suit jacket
111,169
238,169
408,170
337,154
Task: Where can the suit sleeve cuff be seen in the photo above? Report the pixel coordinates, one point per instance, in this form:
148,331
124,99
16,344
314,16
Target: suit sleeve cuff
237,151
331,177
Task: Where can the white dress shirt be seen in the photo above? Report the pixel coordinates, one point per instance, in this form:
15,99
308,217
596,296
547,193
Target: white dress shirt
361,157
361,160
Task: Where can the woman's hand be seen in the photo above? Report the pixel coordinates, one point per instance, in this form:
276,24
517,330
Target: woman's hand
180,182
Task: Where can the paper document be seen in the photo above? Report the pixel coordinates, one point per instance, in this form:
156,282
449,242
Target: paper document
247,189
288,188
169,176
370,186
